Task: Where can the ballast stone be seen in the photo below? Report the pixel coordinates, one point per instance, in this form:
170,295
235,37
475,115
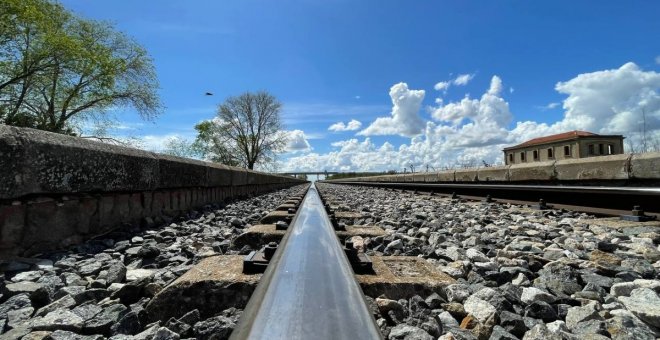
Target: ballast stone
165,333
66,335
65,302
584,313
102,322
457,292
137,274
479,308
406,332
37,335
499,333
645,304
27,276
624,325
62,319
219,326
476,256
540,331
531,294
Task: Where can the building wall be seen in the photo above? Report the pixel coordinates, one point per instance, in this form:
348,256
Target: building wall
578,148
558,152
615,143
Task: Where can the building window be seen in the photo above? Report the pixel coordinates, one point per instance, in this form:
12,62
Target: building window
550,153
610,149
567,150
536,155
510,158
522,156
591,149
601,149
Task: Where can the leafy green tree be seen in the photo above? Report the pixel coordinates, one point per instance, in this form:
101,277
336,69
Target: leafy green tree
58,70
113,71
32,35
210,145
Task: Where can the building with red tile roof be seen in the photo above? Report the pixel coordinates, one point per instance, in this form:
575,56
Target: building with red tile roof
566,145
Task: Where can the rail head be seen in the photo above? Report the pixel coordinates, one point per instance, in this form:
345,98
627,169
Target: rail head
308,290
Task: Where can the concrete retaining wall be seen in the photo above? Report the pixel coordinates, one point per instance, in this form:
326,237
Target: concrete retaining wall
58,190
625,167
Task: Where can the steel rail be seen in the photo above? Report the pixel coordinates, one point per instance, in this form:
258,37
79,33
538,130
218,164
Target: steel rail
607,197
309,290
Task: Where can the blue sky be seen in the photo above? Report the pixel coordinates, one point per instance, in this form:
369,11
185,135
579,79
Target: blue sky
337,61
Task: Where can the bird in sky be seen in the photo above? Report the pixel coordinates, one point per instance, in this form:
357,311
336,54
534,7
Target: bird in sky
209,93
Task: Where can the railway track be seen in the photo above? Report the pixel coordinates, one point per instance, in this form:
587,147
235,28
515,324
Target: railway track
309,290
502,271
599,200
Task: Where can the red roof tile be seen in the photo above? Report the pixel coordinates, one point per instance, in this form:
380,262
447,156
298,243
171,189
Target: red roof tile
554,138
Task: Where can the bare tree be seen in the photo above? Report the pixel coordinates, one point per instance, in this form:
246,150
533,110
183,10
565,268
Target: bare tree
655,143
643,132
248,130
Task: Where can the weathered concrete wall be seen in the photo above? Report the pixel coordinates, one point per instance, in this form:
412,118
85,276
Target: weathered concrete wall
621,167
538,171
58,190
614,167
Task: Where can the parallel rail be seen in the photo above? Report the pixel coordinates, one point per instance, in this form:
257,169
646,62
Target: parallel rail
605,200
308,290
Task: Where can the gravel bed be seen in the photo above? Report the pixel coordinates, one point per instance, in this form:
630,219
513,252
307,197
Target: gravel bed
99,289
521,274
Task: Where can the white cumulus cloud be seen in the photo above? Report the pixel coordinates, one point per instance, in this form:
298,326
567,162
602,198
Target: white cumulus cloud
472,130
460,80
549,106
352,154
350,126
490,108
442,86
405,119
463,79
157,143
297,142
612,101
